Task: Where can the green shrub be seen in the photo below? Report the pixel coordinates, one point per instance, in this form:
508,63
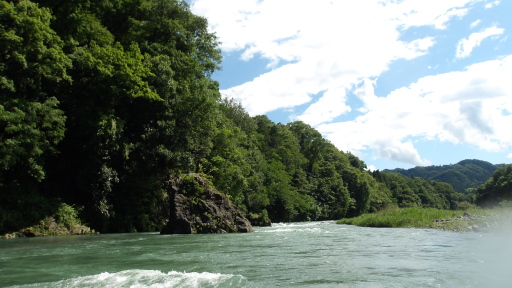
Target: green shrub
191,186
67,215
465,205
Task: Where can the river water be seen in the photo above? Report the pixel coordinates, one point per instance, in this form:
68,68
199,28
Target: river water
310,254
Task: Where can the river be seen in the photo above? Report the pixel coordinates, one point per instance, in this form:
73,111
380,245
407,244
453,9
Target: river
310,254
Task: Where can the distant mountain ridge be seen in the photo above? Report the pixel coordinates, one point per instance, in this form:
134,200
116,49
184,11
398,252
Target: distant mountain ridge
466,174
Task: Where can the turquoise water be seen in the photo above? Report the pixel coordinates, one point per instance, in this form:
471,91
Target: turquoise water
311,254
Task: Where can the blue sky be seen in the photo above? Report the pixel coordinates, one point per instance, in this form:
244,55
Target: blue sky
399,83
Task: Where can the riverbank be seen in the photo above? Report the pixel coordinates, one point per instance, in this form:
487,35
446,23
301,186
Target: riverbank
460,221
65,221
49,227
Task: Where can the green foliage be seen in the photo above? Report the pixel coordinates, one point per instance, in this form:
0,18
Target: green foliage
497,189
311,142
102,101
417,192
235,112
23,207
356,162
67,215
466,174
380,197
473,219
123,72
33,67
190,186
465,206
30,131
32,64
30,50
406,217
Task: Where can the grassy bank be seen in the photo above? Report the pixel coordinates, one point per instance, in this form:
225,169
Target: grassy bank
474,219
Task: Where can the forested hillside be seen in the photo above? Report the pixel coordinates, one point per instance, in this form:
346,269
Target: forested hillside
467,174
497,189
103,102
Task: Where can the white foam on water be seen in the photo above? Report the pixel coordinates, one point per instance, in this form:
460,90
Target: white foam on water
308,227
205,279
288,230
303,224
150,278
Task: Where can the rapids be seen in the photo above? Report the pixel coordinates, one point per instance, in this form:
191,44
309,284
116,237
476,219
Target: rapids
309,254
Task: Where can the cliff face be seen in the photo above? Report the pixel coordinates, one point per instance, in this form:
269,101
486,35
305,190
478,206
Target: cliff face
196,207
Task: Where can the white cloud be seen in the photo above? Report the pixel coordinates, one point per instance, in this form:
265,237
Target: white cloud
509,155
323,44
403,152
422,13
465,107
331,105
492,4
475,23
371,168
466,46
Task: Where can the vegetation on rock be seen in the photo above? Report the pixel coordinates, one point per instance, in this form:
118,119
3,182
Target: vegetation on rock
197,208
63,222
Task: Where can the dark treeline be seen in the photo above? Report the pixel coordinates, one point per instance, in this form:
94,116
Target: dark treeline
464,176
103,102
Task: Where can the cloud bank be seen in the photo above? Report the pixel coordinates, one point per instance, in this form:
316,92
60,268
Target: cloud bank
332,50
466,46
473,106
317,46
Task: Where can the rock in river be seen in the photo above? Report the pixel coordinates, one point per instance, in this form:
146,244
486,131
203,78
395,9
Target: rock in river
197,207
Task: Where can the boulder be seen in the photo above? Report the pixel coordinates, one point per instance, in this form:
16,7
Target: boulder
196,207
257,220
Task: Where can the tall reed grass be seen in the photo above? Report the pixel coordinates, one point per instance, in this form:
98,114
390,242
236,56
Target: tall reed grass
406,217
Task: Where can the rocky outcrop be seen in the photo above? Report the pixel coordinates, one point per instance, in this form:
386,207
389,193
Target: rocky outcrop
257,220
49,227
196,207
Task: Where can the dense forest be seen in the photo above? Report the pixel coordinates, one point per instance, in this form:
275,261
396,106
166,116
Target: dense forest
464,176
497,190
103,102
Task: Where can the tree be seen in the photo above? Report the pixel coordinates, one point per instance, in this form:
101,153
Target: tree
32,70
142,106
311,142
497,189
467,174
32,66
